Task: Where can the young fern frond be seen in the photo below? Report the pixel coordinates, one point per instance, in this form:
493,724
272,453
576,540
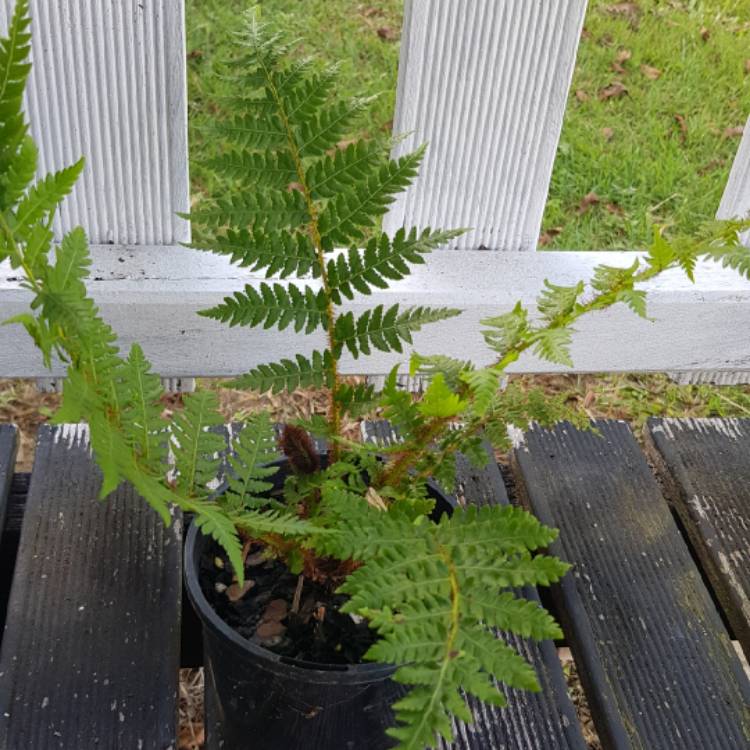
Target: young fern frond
433,591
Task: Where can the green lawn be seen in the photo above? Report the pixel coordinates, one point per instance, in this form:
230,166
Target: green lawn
660,152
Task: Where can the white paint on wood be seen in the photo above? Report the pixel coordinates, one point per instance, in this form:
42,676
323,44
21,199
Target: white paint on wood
710,377
485,84
108,82
735,202
151,296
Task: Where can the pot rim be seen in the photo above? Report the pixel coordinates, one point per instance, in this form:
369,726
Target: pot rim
304,670
308,671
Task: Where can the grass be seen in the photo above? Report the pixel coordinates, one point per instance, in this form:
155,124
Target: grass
659,153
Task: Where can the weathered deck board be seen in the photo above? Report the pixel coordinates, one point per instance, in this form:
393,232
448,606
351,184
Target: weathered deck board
8,442
8,446
655,659
531,720
705,467
90,654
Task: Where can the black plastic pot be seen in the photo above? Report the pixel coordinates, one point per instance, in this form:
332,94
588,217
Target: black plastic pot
269,702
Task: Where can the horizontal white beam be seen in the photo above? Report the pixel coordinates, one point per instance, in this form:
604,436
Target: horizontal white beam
151,296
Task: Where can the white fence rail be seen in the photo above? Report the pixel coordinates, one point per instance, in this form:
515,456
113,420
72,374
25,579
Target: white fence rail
484,80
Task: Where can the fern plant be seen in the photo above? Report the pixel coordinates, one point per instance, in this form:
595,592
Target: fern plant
306,212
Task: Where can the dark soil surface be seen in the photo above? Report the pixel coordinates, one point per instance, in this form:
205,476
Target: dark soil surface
264,613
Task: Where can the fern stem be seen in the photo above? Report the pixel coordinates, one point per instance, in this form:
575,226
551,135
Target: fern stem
312,210
449,653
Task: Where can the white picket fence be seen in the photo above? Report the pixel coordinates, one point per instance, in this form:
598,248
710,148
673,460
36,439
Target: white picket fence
484,81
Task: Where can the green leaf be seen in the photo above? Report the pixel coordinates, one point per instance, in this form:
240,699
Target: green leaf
439,401
348,215
484,385
660,252
553,345
433,592
344,169
635,299
557,302
382,261
609,278
42,199
385,329
253,449
273,305
267,211
139,394
507,330
197,449
288,375
279,253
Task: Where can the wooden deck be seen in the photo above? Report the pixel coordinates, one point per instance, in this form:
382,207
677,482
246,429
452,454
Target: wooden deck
660,543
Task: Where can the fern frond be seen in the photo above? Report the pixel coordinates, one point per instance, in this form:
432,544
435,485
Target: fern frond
357,399
732,256
214,522
635,299
252,450
139,393
318,135
287,375
385,329
42,199
429,366
344,169
19,172
606,277
269,211
505,331
279,253
553,345
382,261
309,93
422,587
14,65
555,302
195,446
279,522
347,216
272,305
73,262
253,168
484,385
256,131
